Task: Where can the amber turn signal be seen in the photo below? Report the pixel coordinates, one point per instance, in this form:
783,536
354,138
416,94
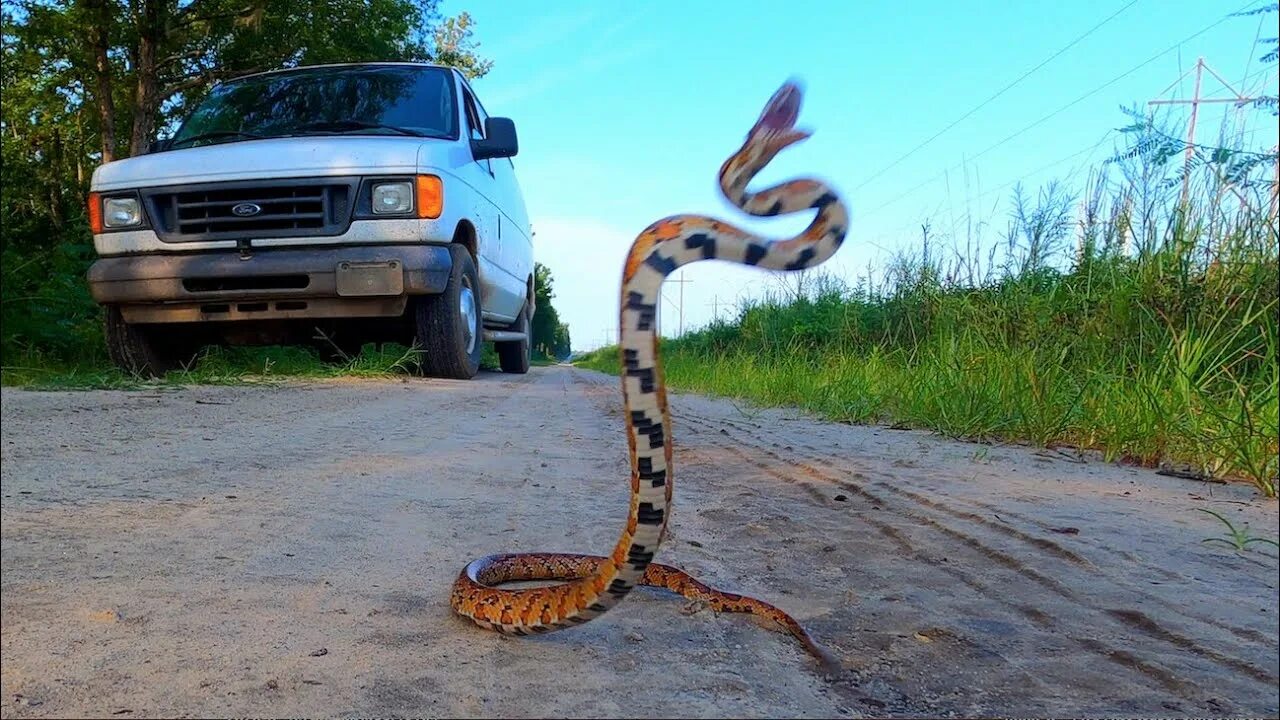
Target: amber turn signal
430,191
95,213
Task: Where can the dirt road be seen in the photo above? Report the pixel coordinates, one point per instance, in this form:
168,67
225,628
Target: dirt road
288,551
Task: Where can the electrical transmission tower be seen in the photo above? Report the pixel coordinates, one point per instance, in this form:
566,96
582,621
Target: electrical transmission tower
1200,68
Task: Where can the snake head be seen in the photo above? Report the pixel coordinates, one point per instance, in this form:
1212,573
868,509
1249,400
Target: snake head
776,127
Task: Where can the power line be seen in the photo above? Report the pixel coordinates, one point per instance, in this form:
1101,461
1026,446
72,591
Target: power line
1253,47
1269,72
968,213
1069,105
1094,148
1000,92
1088,150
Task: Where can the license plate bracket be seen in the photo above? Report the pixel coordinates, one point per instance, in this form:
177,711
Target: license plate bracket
366,278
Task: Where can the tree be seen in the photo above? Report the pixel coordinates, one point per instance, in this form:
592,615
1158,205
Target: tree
90,81
159,55
454,46
550,336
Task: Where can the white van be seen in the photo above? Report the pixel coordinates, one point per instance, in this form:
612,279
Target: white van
332,204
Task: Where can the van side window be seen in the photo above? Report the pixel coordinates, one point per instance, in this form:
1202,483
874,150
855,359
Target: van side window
480,113
474,123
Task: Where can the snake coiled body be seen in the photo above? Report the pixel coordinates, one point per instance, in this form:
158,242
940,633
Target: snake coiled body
592,585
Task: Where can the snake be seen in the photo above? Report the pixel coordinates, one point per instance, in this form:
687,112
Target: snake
587,586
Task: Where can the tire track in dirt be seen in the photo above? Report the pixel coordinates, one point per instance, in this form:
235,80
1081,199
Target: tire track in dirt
1138,622
1003,512
1164,677
806,466
819,457
1040,543
1000,512
809,467
1123,658
1045,544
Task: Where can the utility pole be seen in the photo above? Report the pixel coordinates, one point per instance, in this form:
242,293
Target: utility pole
715,308
681,282
1239,99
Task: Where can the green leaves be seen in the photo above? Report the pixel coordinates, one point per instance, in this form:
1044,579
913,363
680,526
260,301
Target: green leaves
85,76
454,46
550,336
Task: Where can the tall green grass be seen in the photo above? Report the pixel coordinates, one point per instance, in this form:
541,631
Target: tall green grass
214,366
1151,341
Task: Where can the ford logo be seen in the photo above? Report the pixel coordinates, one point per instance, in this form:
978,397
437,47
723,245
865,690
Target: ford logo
245,210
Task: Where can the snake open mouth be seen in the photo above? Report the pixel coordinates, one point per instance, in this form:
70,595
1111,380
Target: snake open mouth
783,109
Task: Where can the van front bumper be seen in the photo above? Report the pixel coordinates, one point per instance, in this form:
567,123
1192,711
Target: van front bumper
327,282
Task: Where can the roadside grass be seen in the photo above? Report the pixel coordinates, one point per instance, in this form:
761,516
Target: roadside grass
1162,354
225,366
215,366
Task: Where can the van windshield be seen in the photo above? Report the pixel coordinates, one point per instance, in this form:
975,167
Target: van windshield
367,100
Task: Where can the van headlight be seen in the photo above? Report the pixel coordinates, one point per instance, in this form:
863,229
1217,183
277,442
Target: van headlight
392,198
121,212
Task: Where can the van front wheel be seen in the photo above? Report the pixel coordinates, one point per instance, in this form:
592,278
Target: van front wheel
144,350
447,326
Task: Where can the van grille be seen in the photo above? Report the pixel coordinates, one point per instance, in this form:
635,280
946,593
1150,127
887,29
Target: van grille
266,209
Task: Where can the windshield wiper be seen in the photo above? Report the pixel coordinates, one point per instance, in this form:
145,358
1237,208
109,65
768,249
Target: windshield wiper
351,124
215,134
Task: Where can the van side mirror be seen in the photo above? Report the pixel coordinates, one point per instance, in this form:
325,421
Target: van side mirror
499,141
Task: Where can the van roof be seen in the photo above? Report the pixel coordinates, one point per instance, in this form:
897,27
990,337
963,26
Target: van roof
335,65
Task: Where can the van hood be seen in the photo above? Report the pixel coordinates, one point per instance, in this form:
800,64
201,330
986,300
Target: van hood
317,155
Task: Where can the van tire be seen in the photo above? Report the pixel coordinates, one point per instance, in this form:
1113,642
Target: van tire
450,348
513,355
143,350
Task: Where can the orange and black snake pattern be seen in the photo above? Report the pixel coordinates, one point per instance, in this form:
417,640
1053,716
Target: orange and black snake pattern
594,584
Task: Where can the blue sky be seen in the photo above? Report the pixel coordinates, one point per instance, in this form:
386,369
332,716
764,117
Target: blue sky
626,110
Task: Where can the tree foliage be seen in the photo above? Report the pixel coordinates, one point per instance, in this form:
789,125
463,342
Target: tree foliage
454,46
89,81
550,336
